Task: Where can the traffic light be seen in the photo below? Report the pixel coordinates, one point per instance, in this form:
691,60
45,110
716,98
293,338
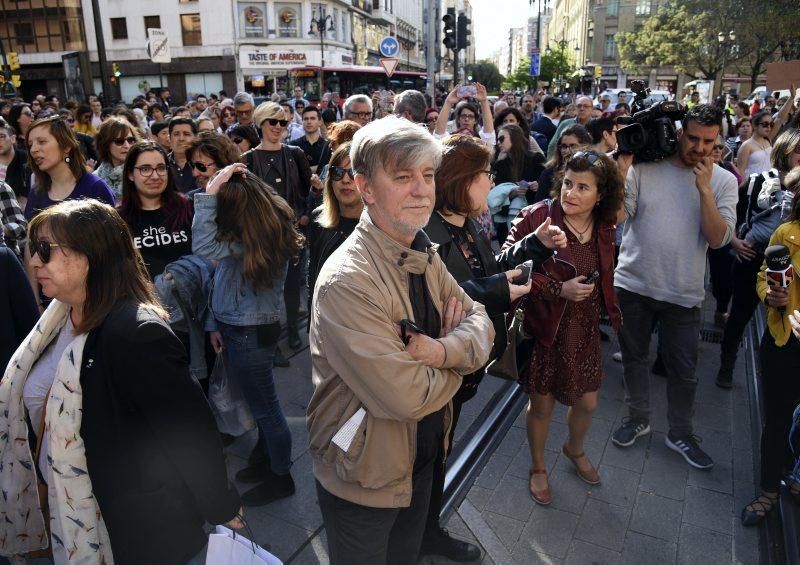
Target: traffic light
463,31
449,20
13,60
115,70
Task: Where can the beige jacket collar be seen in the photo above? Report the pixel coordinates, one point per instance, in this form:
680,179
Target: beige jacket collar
407,258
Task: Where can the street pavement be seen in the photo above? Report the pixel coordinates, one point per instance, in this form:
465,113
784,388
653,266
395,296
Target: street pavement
651,507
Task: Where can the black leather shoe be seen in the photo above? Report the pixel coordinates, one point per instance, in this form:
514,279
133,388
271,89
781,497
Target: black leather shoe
280,359
293,339
275,488
442,543
254,473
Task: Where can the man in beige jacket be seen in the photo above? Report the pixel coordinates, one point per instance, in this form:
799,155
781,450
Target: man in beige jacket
382,388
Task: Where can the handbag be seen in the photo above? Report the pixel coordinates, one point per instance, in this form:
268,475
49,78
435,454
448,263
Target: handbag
226,547
507,366
227,401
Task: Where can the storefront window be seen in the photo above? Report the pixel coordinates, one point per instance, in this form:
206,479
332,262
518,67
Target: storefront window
287,18
251,20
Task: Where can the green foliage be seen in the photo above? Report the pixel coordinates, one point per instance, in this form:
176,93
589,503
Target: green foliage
559,62
486,73
521,78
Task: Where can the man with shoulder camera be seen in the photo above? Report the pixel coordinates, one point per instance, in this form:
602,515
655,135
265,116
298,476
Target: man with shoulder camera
391,335
675,210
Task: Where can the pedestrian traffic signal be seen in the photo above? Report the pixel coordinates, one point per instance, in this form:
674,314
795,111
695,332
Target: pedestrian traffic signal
449,20
13,60
463,31
115,70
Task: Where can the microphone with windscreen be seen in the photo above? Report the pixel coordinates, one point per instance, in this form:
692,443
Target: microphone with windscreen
779,269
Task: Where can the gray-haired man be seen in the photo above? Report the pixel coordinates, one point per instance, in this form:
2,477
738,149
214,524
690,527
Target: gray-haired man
391,335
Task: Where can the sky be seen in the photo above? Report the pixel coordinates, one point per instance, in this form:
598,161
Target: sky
491,20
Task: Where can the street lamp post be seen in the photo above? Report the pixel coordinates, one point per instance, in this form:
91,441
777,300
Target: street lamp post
320,24
727,43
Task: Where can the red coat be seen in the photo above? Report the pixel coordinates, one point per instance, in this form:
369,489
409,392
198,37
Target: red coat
542,317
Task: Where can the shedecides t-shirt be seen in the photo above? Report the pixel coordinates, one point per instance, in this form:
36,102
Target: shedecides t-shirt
158,244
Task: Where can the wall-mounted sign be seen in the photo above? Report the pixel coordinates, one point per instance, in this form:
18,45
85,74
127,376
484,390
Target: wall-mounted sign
274,59
288,21
251,20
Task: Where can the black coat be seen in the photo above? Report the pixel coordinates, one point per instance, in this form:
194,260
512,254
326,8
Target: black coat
18,174
18,309
152,447
546,127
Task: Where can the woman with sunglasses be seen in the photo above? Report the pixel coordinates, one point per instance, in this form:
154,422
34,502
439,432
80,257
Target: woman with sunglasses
431,117
59,168
563,311
114,139
336,219
754,154
463,181
159,217
130,457
210,153
233,220
749,242
227,117
244,137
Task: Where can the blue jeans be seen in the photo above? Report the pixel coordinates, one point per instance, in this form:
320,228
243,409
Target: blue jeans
248,352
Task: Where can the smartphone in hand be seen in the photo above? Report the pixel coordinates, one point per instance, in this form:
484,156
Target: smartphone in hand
591,279
466,91
527,272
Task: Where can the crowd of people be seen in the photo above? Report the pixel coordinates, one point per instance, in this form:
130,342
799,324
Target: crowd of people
143,242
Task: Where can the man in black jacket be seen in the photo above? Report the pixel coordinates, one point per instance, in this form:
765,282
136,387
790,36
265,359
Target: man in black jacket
547,124
18,309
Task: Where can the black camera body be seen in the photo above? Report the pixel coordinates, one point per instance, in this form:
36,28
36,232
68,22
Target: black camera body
651,134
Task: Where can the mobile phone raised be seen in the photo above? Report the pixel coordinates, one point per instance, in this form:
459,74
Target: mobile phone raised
466,91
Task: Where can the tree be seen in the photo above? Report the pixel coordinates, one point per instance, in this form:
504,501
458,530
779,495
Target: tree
521,78
486,73
556,63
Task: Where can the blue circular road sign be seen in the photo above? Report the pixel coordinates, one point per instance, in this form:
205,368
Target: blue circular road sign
389,47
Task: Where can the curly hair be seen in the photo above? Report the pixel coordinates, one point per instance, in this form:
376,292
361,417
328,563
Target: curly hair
610,184
218,147
342,132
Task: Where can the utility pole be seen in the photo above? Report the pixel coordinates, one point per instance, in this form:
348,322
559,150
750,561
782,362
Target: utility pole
101,51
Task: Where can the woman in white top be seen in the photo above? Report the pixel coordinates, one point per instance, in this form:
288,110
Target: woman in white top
754,155
467,115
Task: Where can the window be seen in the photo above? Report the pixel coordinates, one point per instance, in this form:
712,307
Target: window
152,22
71,29
23,33
611,47
642,7
251,22
190,29
119,28
613,8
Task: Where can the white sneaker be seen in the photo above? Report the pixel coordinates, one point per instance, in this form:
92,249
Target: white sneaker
617,357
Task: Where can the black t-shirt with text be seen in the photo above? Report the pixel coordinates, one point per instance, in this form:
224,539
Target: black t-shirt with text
158,244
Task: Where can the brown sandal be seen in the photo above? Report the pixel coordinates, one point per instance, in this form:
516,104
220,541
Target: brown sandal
543,496
591,476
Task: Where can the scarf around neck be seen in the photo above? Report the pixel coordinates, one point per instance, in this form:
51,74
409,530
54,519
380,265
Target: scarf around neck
77,530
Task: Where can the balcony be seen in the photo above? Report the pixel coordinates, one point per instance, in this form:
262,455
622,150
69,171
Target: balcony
380,15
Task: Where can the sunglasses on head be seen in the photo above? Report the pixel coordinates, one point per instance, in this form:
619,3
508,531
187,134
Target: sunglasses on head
274,122
42,248
120,141
202,167
590,156
337,173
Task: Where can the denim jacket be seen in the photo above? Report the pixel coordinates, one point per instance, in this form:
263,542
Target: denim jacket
234,301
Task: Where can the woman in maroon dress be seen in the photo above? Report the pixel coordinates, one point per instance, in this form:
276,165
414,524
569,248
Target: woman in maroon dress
563,312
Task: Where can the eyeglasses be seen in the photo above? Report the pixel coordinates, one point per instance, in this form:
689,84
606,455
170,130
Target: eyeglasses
274,122
567,145
202,167
244,112
42,248
766,124
120,141
337,173
28,113
148,170
362,115
490,174
464,116
237,140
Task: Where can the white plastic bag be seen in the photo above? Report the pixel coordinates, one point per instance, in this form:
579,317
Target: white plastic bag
227,402
228,548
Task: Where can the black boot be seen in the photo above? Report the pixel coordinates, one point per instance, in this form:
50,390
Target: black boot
725,374
293,338
440,542
273,488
